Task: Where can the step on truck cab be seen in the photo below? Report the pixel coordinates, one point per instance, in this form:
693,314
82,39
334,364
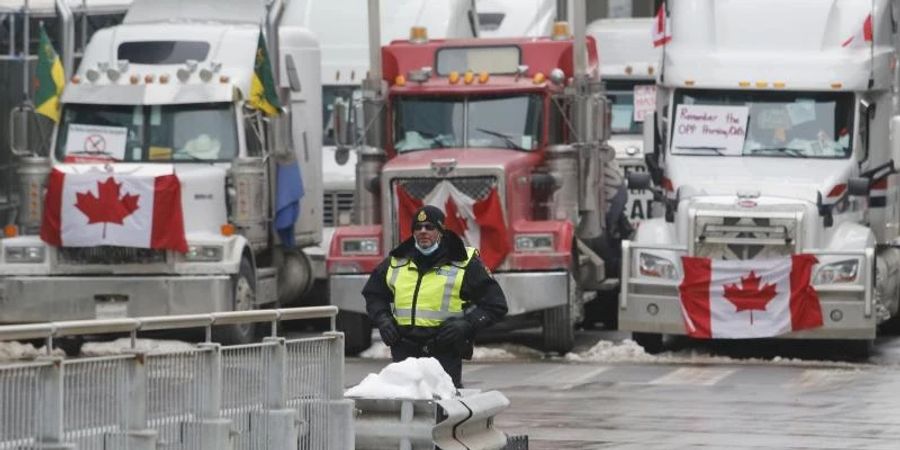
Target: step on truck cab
167,94
774,144
494,132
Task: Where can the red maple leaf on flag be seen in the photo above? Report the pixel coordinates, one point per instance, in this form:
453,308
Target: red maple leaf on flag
109,207
749,297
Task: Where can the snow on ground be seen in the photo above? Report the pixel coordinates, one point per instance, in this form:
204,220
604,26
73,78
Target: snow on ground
501,352
414,378
123,345
608,351
16,351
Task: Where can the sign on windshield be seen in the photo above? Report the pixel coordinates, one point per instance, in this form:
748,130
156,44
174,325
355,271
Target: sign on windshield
97,140
644,101
703,129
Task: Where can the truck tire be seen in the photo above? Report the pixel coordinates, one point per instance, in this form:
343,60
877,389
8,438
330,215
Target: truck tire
652,342
558,331
357,332
243,299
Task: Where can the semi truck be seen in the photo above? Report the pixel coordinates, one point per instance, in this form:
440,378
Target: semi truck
507,135
629,63
199,109
806,164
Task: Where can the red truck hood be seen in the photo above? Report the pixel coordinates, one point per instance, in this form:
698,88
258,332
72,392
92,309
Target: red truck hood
507,160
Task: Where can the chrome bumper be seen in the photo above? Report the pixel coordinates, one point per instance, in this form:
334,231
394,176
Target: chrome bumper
640,295
525,291
41,299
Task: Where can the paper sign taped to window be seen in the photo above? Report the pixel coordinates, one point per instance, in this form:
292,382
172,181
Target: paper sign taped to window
702,129
96,140
644,101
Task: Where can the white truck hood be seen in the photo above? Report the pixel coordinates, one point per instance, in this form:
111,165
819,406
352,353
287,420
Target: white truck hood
795,178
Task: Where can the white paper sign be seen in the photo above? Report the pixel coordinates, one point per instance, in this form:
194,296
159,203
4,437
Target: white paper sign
644,101
96,140
708,128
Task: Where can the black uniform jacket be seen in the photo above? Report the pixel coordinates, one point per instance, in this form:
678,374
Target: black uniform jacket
483,300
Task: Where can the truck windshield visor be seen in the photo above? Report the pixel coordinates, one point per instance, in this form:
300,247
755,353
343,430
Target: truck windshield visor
511,122
762,124
147,133
621,94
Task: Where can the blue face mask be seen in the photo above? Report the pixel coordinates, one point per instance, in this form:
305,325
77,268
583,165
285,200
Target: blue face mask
427,251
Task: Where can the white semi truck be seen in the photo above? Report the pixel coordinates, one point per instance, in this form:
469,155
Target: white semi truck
808,168
629,63
167,93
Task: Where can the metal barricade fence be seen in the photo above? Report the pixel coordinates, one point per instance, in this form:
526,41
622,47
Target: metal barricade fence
276,394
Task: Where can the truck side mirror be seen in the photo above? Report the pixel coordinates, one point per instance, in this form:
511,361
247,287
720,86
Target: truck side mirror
638,180
342,128
858,186
19,119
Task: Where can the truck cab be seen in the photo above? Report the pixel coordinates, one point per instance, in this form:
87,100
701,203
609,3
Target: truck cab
781,150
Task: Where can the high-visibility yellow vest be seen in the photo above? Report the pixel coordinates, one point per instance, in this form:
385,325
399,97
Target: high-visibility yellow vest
429,299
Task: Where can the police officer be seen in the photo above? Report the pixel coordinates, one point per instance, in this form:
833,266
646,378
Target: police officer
432,294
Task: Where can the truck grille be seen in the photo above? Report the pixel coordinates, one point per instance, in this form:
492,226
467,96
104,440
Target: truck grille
475,187
109,255
742,238
335,203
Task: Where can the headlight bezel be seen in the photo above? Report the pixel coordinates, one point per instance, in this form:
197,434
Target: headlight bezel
204,253
838,272
25,254
366,246
654,266
536,242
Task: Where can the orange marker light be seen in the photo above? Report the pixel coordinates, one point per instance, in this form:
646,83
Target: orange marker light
483,77
10,231
539,78
400,80
469,77
453,77
224,79
227,230
164,78
148,79
134,79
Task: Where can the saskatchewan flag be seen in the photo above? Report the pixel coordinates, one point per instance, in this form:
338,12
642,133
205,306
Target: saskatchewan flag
49,79
262,87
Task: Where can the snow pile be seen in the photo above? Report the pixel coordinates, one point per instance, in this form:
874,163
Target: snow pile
122,345
14,351
413,378
608,351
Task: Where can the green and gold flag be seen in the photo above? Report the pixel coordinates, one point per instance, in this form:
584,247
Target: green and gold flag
49,79
262,88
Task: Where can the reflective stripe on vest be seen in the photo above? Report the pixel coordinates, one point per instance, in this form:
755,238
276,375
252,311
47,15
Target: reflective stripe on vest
438,291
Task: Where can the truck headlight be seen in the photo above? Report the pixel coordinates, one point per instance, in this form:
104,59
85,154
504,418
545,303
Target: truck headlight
25,254
655,266
534,242
359,246
204,253
845,271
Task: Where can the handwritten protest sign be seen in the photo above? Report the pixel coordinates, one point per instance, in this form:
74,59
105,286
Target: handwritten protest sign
703,127
96,139
644,101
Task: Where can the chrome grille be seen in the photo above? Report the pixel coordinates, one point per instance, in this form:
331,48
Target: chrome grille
336,202
475,187
109,255
743,238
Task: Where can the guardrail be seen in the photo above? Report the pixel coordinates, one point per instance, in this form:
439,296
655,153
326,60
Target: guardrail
276,394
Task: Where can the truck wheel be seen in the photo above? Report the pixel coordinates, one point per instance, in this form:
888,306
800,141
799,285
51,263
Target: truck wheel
558,331
652,342
244,297
357,332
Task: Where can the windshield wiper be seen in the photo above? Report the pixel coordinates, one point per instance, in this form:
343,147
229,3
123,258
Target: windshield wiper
780,151
91,153
507,139
190,156
716,150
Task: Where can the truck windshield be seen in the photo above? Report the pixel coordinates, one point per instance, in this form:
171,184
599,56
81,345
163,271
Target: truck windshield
763,124
621,95
512,122
142,133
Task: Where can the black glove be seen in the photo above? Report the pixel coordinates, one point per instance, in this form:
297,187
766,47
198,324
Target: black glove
390,332
454,331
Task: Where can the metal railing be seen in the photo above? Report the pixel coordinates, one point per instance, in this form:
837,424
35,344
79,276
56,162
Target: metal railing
276,394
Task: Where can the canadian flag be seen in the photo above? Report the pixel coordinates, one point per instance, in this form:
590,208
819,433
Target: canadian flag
748,299
863,35
660,34
98,208
480,223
